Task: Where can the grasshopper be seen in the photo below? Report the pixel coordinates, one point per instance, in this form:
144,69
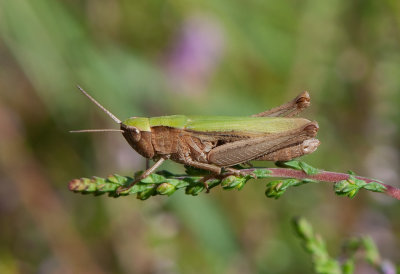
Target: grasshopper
216,143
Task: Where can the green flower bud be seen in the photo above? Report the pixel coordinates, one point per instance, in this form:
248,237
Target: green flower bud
194,189
230,182
145,194
352,193
166,189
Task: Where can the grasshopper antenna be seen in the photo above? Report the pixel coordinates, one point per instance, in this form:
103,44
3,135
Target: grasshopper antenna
96,130
100,106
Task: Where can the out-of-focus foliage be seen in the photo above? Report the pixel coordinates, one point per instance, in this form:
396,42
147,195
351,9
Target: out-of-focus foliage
356,248
207,57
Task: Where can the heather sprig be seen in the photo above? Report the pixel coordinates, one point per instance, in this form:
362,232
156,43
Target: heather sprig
195,181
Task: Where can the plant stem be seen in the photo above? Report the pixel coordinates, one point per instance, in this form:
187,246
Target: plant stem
328,176
165,183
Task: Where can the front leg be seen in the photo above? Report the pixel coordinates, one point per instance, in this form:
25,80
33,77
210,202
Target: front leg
142,176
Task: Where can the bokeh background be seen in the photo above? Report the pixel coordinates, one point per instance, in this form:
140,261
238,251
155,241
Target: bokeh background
211,57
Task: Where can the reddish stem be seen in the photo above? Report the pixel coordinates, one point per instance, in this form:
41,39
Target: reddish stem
328,176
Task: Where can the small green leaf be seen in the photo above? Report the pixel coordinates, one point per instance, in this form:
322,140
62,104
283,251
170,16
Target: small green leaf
291,164
357,182
90,185
309,170
306,181
182,184
106,187
122,179
374,186
153,179
113,179
145,194
140,187
173,182
299,165
230,182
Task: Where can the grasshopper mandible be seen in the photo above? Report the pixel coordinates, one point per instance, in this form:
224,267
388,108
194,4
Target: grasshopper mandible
216,143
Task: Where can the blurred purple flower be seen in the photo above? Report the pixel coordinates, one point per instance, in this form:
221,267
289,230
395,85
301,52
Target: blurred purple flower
195,55
388,267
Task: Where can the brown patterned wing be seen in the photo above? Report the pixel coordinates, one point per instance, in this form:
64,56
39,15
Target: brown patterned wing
246,150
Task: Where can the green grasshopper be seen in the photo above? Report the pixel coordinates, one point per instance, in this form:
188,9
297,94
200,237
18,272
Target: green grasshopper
216,143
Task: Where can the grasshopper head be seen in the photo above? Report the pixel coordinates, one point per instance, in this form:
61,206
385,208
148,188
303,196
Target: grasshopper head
137,133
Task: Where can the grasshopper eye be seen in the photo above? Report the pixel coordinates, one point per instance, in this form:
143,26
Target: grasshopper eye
134,132
134,129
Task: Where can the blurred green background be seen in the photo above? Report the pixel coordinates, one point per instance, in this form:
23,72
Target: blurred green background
211,57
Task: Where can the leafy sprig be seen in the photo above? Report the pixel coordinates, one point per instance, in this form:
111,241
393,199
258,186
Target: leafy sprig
352,185
195,181
315,245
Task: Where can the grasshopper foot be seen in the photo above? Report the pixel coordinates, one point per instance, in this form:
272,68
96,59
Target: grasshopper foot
238,172
206,187
204,182
123,189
